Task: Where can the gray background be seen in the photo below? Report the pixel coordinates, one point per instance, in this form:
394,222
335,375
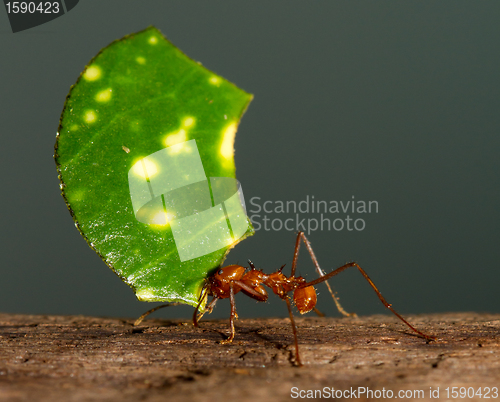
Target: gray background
393,101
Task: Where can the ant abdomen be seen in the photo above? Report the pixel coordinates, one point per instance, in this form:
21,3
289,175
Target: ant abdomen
305,299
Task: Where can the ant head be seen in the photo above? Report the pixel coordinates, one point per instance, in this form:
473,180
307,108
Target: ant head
231,272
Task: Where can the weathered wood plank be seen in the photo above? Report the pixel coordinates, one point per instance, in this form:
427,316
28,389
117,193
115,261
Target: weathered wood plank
76,358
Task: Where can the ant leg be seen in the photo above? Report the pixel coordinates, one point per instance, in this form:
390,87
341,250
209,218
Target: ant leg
294,267
296,254
142,317
319,313
320,272
233,314
294,330
382,299
250,291
197,315
208,310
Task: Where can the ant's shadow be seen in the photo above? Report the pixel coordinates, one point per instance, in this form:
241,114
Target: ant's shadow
249,334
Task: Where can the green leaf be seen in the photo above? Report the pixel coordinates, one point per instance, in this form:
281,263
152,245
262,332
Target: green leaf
132,128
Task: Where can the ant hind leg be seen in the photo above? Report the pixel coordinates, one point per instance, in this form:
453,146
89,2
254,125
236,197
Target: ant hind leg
382,298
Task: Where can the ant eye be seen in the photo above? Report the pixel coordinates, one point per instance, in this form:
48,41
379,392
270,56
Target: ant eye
220,272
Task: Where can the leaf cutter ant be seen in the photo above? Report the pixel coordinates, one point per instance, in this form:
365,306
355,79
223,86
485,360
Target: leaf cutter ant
228,281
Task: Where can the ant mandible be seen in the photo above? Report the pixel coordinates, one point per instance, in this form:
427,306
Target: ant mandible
228,281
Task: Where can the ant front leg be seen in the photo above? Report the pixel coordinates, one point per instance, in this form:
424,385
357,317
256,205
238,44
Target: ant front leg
197,315
320,272
250,292
365,275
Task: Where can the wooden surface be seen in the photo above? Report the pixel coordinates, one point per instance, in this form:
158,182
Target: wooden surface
76,358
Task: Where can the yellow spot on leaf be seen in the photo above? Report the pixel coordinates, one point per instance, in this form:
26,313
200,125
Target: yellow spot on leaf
92,73
90,117
227,146
145,168
104,96
184,147
140,60
188,122
214,80
153,40
175,138
161,218
74,127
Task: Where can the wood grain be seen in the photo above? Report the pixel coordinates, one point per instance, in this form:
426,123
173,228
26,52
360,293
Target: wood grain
77,358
